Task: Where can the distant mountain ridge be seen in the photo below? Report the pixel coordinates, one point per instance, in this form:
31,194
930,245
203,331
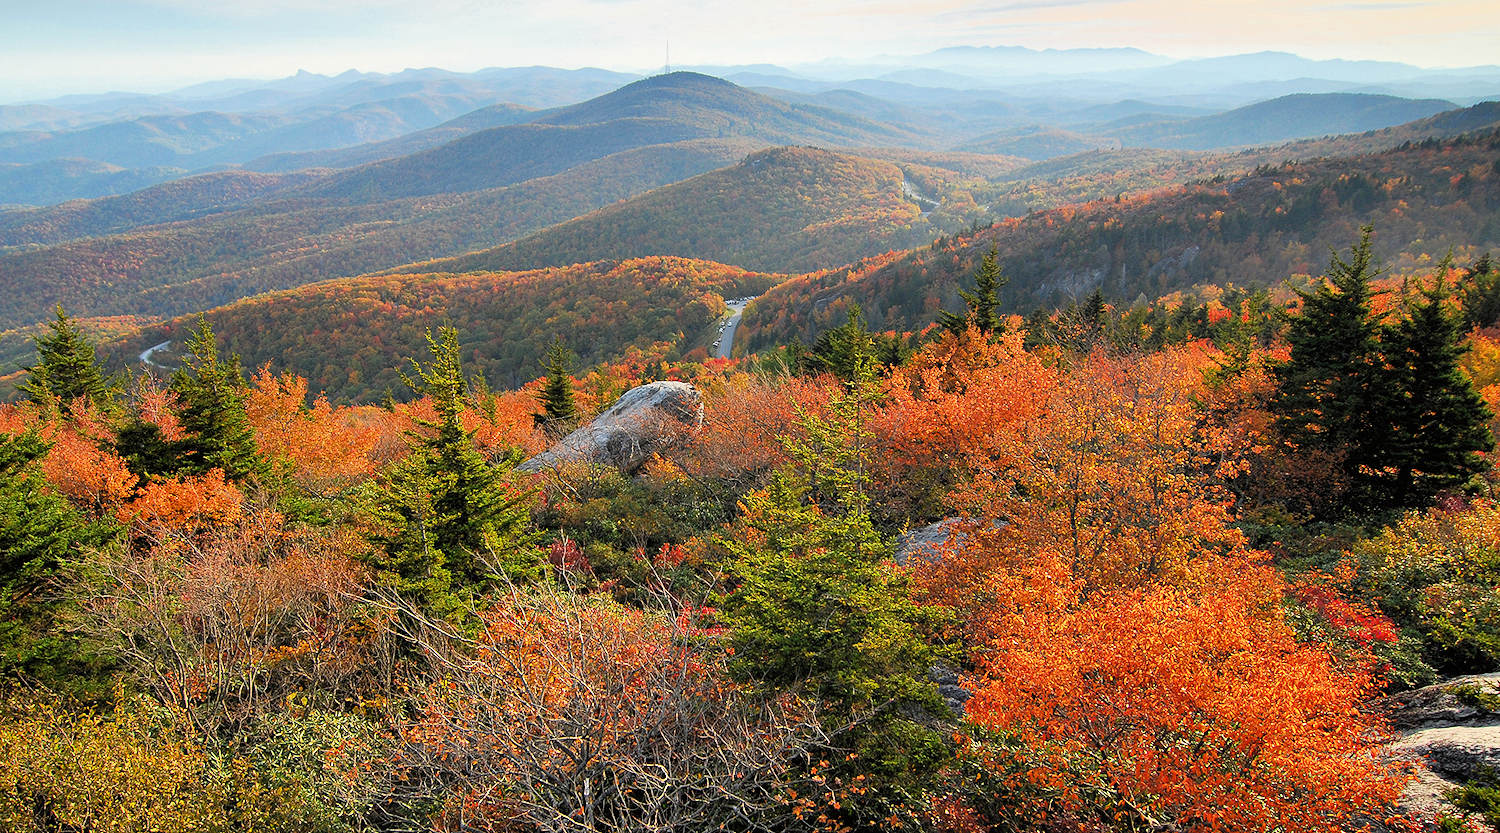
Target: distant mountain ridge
1254,229
780,210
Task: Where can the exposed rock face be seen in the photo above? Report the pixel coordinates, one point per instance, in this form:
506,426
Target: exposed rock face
1451,731
926,542
647,419
950,688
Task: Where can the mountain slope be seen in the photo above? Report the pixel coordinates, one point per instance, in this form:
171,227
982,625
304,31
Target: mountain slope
725,108
495,115
1281,119
180,267
499,156
351,337
1256,229
1037,142
180,199
783,210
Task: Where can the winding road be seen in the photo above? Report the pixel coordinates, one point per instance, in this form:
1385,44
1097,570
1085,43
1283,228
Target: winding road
146,354
725,345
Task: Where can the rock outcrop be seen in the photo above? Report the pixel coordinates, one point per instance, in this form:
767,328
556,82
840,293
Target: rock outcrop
647,419
1450,732
927,542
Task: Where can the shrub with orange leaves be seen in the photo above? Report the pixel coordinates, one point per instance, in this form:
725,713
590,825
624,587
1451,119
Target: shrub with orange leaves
1125,635
79,464
326,450
185,503
1101,481
954,405
743,417
1198,710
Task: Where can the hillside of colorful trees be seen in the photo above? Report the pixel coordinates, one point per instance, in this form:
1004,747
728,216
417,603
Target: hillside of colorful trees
1191,542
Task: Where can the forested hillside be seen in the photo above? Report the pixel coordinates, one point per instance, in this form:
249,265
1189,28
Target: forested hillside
1249,230
783,210
348,337
193,265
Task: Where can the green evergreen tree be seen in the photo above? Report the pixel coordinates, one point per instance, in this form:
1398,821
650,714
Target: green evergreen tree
39,534
1329,394
1387,400
211,394
983,304
816,610
559,408
67,370
453,523
1438,424
145,450
846,351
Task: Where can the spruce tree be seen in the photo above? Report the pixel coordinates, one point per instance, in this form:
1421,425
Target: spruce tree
816,610
67,370
211,393
1329,389
39,533
983,304
559,412
846,351
1438,424
452,523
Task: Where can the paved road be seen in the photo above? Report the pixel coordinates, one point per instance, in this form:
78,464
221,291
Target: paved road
726,330
146,354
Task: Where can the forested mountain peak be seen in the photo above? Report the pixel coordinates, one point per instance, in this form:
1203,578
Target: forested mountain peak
712,103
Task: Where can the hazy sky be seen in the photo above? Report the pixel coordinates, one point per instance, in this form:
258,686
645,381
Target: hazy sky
54,46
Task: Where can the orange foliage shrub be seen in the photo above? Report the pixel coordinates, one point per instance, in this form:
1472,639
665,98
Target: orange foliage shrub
186,504
743,418
328,452
1198,710
78,465
1123,628
154,404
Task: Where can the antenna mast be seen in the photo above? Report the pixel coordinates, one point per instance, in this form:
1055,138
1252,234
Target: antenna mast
668,69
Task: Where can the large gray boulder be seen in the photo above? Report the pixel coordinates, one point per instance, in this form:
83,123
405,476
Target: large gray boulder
1450,732
647,419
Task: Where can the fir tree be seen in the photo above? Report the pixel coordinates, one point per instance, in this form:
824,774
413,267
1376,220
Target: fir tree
984,302
559,408
1438,424
452,522
1388,401
816,609
1330,384
846,351
211,393
68,369
39,532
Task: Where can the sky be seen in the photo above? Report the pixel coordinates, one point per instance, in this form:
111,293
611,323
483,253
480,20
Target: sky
51,47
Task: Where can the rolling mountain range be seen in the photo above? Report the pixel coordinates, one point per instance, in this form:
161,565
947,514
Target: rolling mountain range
1255,229
951,98
690,166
